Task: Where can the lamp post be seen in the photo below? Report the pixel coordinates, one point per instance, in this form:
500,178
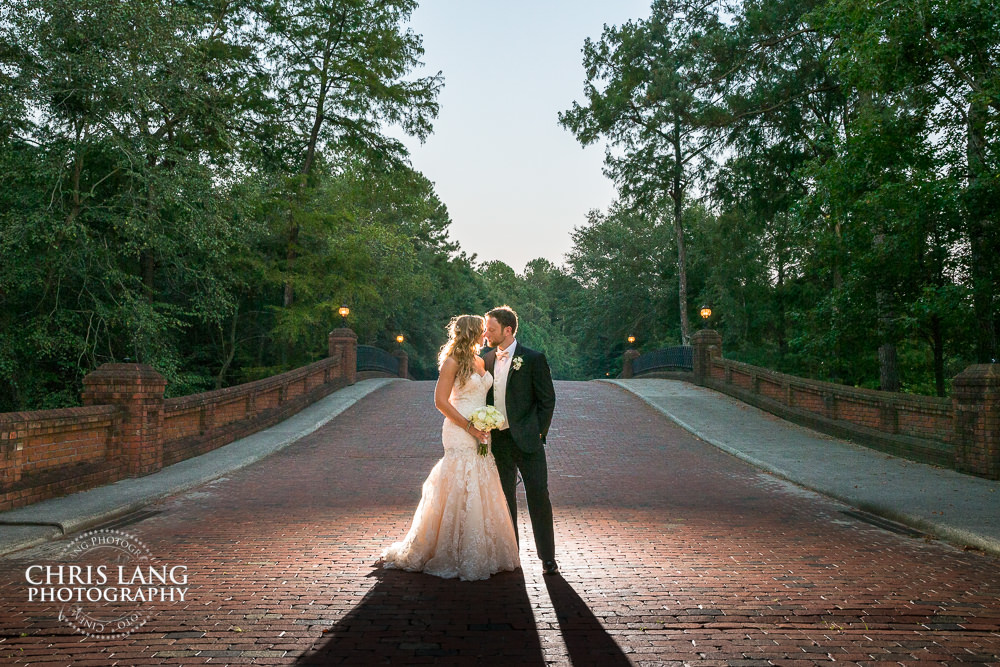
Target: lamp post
706,345
402,357
342,343
631,354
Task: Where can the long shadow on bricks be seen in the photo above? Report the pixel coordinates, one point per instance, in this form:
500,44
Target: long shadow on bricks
411,617
586,640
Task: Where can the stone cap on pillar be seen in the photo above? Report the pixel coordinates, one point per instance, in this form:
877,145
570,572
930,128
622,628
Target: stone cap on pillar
344,333
706,338
121,374
979,376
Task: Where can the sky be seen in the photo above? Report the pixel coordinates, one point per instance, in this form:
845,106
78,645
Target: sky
514,181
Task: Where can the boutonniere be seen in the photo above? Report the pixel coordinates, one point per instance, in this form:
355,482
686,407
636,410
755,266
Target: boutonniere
516,363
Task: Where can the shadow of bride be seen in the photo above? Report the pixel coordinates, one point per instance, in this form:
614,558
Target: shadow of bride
587,642
409,617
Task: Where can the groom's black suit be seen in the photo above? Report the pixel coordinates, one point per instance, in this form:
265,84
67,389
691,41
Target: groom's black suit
530,400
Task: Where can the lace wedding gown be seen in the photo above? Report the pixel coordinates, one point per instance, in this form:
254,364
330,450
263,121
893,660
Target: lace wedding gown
462,527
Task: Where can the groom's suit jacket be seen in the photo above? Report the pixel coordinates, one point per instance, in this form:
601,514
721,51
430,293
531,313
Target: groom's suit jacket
530,397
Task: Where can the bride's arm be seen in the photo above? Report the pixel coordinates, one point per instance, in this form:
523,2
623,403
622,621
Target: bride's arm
442,392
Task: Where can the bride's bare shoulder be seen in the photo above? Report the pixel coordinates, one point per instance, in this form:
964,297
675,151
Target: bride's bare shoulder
449,366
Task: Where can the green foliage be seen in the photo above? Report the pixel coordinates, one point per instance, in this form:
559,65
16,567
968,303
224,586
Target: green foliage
201,185
847,154
154,156
545,299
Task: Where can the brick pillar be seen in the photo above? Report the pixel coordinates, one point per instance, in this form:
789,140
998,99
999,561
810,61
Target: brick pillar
404,363
627,359
976,402
707,344
13,431
344,343
137,390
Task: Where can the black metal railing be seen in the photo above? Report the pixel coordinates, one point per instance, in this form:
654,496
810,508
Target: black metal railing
376,359
678,358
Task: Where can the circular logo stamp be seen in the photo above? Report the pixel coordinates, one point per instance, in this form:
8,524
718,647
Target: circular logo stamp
106,582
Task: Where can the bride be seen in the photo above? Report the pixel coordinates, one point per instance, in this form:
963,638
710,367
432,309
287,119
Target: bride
462,527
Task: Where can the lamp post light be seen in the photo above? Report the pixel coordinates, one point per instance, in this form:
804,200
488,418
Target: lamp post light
706,314
631,340
344,312
400,338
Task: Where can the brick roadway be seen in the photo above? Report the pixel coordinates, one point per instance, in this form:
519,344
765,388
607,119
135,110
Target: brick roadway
671,552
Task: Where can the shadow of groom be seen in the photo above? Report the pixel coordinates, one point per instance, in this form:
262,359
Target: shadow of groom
587,642
410,617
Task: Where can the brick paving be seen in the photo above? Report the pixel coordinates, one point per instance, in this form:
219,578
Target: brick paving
671,552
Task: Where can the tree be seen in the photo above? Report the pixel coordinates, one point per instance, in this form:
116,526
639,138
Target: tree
339,66
114,122
941,59
650,94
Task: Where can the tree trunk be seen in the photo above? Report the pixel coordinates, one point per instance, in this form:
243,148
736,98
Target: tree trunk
888,367
307,165
677,194
836,367
682,272
979,223
148,272
937,342
779,297
230,352
147,263
293,238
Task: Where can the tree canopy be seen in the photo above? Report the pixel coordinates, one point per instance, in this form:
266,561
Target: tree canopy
200,186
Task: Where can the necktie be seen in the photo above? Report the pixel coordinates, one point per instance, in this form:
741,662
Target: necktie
501,354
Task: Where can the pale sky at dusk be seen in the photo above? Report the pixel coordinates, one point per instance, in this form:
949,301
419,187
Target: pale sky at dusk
514,181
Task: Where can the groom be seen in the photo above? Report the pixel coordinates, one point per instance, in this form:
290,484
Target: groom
523,393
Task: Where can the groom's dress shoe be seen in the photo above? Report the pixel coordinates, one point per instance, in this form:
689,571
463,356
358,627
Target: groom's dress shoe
550,567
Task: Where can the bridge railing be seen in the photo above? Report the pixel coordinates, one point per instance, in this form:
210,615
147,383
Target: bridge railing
126,428
961,432
677,358
376,359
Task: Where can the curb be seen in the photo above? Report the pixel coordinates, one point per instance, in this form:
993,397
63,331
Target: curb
956,536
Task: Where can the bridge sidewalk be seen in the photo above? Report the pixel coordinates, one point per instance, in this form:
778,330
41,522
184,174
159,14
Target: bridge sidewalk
941,503
49,519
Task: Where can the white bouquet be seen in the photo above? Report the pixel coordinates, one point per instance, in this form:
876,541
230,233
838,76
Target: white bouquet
486,418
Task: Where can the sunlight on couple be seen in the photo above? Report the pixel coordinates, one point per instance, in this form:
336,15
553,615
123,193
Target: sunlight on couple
465,524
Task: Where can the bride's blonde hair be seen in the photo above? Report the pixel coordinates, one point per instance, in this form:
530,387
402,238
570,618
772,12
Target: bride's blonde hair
465,335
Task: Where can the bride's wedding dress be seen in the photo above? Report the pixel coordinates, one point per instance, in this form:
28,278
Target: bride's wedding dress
462,527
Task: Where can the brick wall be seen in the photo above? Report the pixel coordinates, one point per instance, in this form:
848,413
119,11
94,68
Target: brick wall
45,453
127,429
199,423
918,427
960,432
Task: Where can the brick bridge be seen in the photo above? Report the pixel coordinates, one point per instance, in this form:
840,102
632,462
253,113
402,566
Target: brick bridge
671,551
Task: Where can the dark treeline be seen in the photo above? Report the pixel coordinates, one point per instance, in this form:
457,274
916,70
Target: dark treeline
199,185
824,173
